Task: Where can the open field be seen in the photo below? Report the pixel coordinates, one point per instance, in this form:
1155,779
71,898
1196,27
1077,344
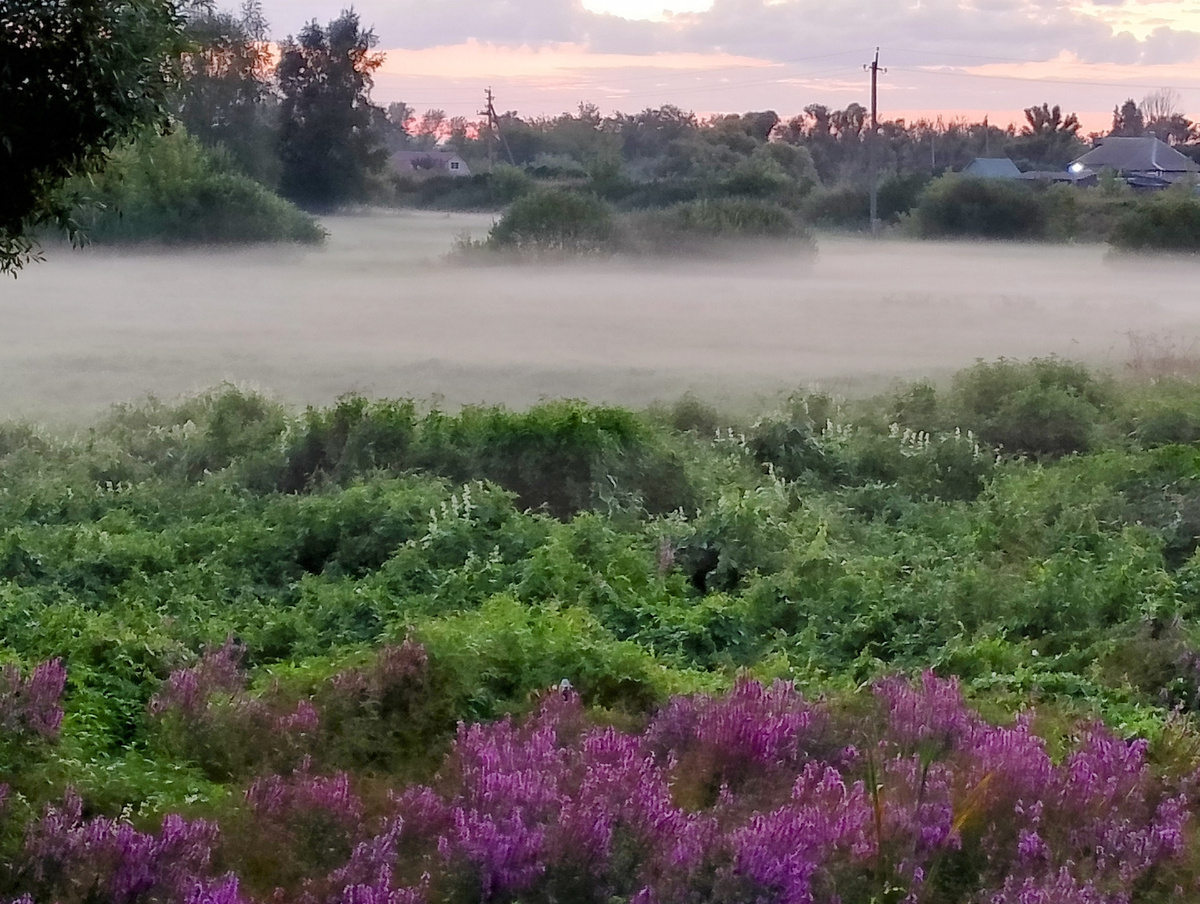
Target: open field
378,311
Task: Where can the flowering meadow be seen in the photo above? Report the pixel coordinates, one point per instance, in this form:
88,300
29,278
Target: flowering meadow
755,794
936,646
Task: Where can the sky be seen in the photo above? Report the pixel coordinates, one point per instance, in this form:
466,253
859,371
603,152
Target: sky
954,58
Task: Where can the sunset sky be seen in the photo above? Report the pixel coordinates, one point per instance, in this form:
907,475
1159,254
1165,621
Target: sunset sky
953,57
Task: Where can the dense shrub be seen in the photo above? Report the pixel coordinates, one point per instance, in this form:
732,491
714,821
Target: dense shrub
1170,222
842,206
899,193
554,220
354,437
561,457
1044,407
957,205
698,226
171,189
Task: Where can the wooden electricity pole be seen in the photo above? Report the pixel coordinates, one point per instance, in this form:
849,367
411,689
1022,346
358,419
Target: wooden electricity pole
494,131
873,140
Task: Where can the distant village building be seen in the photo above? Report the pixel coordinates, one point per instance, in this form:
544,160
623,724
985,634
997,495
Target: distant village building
1144,162
992,168
423,164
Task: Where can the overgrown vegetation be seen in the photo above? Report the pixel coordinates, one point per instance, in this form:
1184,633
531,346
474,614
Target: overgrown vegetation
171,189
1167,223
979,208
258,610
560,222
554,220
701,227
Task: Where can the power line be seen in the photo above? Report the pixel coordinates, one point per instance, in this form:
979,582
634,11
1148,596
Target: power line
967,56
1046,81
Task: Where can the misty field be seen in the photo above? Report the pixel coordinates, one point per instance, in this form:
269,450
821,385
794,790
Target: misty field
379,310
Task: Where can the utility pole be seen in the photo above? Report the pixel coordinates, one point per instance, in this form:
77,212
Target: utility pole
489,112
494,131
873,139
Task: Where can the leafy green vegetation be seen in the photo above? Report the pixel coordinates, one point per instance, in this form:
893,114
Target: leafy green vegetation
1027,529
233,592
1167,223
554,220
980,208
700,226
171,189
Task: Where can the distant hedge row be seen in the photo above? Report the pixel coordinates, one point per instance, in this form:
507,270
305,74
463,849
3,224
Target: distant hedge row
561,221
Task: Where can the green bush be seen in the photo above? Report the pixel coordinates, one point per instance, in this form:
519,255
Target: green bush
562,457
554,220
841,206
1170,222
171,189
697,226
899,193
1044,407
960,206
354,437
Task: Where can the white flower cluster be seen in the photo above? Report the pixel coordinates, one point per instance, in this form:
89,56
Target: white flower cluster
460,507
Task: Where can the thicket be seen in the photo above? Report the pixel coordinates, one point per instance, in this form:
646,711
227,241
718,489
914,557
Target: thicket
275,622
700,227
979,208
959,206
552,220
1170,222
171,189
557,221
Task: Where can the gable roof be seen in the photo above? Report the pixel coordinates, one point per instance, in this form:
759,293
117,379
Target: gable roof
1136,155
993,168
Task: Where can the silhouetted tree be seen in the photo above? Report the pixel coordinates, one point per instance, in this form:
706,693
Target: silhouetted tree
1048,136
1163,119
328,145
1128,121
228,95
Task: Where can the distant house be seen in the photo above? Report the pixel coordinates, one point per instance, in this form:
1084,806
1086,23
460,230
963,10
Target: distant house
1143,162
423,164
1084,178
992,168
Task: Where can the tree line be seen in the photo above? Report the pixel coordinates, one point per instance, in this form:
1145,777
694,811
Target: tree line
298,118
308,126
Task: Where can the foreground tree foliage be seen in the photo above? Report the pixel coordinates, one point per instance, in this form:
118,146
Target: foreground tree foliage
76,79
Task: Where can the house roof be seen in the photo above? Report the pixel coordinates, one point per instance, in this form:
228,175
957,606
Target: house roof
1136,155
1058,176
410,156
993,168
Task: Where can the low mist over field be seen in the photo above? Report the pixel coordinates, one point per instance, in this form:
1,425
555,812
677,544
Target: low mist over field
379,310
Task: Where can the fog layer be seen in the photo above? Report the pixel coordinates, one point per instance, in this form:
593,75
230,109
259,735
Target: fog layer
377,311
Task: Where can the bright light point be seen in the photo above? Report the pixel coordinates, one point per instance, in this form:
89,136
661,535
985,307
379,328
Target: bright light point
1076,167
640,9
